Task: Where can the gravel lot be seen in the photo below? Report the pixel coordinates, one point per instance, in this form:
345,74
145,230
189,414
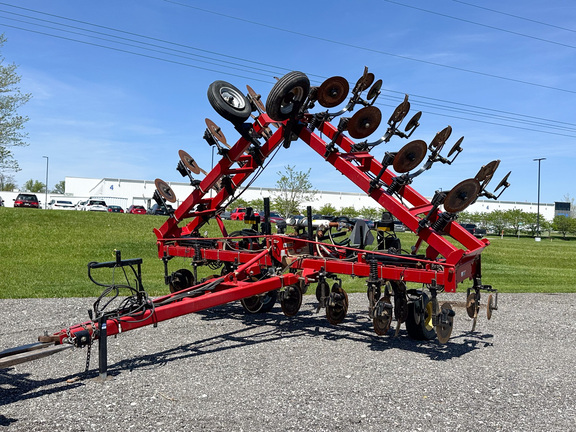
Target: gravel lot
224,370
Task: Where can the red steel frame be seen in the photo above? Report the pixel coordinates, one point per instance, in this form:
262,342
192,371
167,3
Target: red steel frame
444,265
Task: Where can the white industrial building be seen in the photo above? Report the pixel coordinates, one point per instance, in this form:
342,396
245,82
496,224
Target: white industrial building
125,192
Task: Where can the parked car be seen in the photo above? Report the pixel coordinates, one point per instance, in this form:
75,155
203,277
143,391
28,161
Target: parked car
329,218
96,205
26,200
81,205
474,230
369,222
157,209
399,226
1,202
61,205
239,213
115,209
275,217
225,215
136,209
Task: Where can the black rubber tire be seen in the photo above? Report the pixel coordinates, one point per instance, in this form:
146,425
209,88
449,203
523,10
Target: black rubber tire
419,323
260,303
229,102
287,96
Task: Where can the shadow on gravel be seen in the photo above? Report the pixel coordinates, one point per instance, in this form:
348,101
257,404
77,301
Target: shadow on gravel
258,329
19,386
5,421
356,327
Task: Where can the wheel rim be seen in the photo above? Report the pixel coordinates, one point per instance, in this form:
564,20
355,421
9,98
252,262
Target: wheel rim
232,98
294,95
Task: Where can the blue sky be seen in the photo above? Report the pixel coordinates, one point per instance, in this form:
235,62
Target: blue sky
119,87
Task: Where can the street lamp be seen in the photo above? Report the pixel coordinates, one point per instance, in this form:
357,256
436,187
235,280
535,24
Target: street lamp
46,197
538,208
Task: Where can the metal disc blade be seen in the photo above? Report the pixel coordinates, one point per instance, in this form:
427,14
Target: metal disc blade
256,99
410,156
374,90
441,137
364,122
444,330
413,122
165,190
471,305
333,91
216,131
462,195
456,147
400,112
365,81
504,181
189,162
489,306
487,171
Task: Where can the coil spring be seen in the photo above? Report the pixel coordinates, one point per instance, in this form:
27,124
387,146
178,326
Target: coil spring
441,223
373,263
214,265
394,186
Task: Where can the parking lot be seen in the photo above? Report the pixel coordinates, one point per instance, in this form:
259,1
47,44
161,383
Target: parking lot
224,370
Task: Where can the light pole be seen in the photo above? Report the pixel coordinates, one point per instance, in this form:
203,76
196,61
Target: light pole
538,208
46,197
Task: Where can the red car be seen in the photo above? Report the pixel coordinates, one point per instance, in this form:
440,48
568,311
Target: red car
26,200
136,209
239,213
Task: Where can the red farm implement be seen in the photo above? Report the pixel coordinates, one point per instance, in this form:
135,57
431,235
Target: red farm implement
259,268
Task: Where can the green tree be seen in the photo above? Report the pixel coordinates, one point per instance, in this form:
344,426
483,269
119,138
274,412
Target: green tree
7,182
256,204
34,186
11,123
564,225
496,220
294,189
531,223
328,209
60,187
349,211
514,219
239,202
371,213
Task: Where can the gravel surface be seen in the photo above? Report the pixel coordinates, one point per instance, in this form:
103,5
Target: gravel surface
223,370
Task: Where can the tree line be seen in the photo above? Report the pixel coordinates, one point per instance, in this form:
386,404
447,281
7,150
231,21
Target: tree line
516,221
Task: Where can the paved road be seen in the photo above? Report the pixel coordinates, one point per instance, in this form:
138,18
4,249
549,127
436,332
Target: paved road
222,370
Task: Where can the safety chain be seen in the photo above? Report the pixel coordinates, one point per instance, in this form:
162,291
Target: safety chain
89,348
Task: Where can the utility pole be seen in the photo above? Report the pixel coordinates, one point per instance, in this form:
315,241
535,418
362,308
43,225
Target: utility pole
46,197
538,208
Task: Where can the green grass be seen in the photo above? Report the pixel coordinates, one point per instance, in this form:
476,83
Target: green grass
45,254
